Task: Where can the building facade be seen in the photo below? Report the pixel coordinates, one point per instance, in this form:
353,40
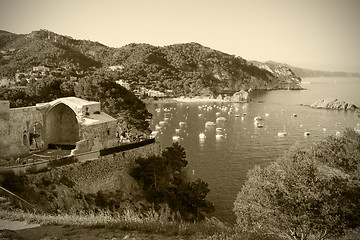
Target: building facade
70,122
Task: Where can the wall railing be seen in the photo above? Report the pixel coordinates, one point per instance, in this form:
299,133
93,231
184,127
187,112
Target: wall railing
125,147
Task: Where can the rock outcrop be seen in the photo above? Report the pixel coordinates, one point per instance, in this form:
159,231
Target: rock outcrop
241,96
287,79
335,104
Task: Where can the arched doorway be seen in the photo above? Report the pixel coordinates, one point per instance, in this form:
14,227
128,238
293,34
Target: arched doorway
62,127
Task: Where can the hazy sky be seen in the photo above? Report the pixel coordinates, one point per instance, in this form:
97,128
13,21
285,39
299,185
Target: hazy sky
315,34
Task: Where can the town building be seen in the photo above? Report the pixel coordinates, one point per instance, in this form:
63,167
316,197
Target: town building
41,69
68,123
116,68
155,93
124,84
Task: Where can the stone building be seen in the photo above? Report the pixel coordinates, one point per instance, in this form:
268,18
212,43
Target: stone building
67,123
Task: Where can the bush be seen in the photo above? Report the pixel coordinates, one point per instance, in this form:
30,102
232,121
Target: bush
308,193
67,182
163,181
13,182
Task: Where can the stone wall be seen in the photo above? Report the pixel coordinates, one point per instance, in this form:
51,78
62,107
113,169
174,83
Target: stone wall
86,109
21,130
98,136
108,173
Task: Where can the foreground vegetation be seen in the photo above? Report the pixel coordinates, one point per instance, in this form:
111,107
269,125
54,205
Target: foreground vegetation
164,182
308,194
150,223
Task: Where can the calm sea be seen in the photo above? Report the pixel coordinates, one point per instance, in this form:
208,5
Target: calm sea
223,162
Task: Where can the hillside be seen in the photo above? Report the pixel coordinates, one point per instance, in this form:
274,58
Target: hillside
304,73
187,69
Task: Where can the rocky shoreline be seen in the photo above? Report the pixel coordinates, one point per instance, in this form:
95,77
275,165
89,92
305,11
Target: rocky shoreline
332,103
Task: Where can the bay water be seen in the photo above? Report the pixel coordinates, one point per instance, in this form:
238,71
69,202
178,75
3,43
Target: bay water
224,156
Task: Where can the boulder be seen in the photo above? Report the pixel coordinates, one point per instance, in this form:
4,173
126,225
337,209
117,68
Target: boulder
227,98
241,96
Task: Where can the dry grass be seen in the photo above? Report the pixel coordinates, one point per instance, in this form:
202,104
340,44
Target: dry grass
150,222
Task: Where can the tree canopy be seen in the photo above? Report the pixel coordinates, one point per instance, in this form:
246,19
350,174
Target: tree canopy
163,181
307,194
115,100
187,69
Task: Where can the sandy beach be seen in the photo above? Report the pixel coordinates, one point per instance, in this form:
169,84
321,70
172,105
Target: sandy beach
198,99
183,99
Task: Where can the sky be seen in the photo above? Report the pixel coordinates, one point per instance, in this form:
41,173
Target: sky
313,34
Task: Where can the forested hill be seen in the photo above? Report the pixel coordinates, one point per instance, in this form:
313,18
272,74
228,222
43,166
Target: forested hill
187,69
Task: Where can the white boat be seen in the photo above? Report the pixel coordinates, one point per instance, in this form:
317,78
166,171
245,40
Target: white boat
267,114
217,113
162,122
176,138
182,123
209,124
202,136
282,134
221,119
157,127
237,115
306,133
177,130
218,129
294,115
257,118
219,136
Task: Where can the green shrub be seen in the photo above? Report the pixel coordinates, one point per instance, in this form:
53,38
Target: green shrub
163,181
308,193
67,182
13,182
